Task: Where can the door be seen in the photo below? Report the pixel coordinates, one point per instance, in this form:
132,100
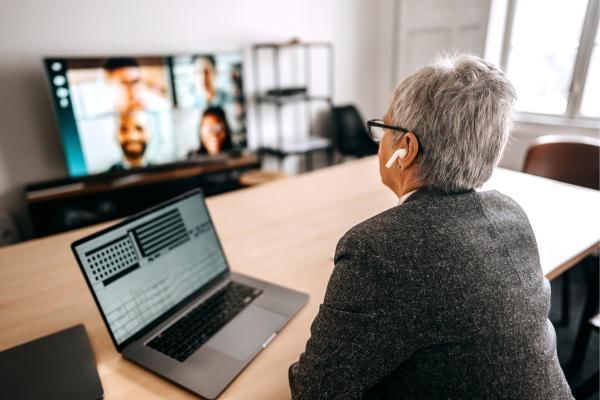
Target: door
426,28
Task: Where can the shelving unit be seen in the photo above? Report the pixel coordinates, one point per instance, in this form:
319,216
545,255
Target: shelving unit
297,145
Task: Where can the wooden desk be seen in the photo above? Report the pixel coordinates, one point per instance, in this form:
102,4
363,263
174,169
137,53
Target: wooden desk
284,232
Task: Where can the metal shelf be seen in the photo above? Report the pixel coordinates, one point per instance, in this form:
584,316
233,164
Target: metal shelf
292,146
298,146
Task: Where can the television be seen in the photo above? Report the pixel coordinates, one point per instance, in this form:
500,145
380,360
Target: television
120,113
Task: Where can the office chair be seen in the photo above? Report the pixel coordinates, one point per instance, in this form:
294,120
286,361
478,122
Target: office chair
570,159
566,158
350,133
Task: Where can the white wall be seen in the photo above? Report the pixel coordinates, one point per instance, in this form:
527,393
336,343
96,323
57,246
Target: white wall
30,29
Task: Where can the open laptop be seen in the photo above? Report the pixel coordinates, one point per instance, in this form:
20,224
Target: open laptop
170,302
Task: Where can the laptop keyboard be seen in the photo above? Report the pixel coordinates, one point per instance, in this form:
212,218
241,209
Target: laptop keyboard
184,337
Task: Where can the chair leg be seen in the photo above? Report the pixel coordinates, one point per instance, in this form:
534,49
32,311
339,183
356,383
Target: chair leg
590,309
565,299
330,157
308,158
587,388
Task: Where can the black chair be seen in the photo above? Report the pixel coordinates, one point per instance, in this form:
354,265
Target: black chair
350,132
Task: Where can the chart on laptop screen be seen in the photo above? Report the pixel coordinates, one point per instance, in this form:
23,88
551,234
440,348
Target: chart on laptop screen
140,270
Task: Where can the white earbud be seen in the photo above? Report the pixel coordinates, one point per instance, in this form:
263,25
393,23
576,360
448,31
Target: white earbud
400,153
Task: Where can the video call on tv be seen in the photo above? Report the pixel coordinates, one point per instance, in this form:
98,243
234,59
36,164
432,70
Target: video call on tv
118,113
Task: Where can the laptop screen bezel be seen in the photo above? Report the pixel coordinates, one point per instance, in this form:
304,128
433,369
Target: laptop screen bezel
161,318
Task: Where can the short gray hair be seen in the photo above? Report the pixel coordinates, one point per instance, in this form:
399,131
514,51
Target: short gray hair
460,109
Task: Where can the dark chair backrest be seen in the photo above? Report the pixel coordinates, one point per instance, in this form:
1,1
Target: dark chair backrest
350,132
570,159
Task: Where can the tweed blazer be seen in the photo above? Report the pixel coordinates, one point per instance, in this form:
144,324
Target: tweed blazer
442,297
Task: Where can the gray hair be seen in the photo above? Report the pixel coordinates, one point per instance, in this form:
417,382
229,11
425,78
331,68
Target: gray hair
460,109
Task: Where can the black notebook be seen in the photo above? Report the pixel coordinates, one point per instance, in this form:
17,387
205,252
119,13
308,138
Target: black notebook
57,366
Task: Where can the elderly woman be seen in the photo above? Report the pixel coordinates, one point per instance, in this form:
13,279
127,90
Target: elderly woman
441,297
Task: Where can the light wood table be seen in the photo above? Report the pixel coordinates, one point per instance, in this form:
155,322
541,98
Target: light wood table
284,232
565,218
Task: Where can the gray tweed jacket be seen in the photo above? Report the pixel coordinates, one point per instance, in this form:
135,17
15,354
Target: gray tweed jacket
442,297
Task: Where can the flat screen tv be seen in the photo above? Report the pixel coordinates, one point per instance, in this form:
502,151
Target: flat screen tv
118,113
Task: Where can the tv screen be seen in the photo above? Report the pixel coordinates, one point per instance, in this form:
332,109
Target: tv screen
118,113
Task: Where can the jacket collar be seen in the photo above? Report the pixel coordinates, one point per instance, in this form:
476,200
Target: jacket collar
428,192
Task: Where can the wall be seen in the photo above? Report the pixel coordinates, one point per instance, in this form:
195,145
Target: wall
30,29
362,32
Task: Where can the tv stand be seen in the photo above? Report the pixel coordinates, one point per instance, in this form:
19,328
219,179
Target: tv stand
64,204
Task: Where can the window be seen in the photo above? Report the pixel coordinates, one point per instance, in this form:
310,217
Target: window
550,54
590,104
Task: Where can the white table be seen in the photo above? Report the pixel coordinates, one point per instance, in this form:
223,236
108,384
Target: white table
565,218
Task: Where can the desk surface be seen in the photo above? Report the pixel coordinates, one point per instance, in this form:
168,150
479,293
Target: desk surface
284,232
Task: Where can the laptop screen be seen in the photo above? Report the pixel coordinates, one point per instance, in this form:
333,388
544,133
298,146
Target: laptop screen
141,269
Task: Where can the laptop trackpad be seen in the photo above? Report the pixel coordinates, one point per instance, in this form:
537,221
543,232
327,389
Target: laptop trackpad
246,333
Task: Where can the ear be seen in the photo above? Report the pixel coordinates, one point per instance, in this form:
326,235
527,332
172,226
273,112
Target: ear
411,144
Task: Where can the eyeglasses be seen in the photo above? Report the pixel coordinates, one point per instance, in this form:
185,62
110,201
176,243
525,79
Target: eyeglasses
213,128
376,129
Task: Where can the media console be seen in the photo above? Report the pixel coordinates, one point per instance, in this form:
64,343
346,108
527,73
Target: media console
65,204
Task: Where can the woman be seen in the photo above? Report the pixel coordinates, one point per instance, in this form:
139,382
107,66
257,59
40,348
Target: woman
442,296
215,133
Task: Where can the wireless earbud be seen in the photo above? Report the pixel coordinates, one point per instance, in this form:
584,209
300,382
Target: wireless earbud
400,153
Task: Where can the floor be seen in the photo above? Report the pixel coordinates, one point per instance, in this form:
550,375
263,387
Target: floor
566,334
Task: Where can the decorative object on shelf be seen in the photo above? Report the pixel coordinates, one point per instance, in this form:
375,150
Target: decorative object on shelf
289,91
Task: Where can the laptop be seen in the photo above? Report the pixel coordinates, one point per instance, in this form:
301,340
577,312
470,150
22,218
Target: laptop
59,366
170,302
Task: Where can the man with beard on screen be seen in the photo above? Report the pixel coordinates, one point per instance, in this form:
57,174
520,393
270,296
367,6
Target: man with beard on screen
133,136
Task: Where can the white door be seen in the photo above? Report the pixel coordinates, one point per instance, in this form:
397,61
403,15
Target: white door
426,28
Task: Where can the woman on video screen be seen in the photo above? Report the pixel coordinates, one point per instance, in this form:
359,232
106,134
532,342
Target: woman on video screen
214,133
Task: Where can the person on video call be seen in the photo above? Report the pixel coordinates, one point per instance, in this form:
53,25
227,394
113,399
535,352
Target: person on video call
131,91
214,133
133,137
441,296
210,95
